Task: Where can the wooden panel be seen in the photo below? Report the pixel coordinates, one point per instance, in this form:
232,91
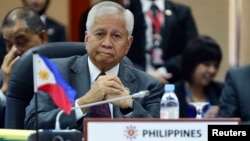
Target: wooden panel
76,8
245,34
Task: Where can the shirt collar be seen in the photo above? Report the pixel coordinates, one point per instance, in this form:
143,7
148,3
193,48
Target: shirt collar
94,71
146,4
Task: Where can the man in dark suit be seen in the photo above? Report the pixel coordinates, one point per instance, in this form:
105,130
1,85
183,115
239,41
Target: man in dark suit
108,39
234,100
55,30
21,29
177,26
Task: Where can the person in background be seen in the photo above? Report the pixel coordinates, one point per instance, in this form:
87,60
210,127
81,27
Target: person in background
2,49
198,91
55,30
21,29
162,29
108,39
234,100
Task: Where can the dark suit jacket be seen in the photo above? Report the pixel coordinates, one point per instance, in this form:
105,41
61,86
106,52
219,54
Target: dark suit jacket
235,97
2,115
56,31
2,107
76,72
2,50
178,29
82,24
213,92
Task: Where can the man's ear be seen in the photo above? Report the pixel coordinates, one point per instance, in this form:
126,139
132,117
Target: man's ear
44,37
86,37
130,40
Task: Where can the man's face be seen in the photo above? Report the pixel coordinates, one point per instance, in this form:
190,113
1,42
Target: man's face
107,42
36,5
18,36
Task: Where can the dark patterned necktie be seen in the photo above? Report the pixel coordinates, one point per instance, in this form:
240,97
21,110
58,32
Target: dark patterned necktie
154,10
101,111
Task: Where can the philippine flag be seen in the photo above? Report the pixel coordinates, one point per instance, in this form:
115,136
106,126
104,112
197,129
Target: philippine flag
48,78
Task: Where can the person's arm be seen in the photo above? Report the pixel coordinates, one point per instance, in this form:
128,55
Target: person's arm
78,111
9,61
149,106
228,104
47,112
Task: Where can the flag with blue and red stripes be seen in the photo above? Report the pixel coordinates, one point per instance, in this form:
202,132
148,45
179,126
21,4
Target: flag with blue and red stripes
48,78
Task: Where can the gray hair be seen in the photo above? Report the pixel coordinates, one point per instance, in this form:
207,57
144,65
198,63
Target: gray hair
108,7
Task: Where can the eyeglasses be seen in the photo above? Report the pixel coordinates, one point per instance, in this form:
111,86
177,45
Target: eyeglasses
197,109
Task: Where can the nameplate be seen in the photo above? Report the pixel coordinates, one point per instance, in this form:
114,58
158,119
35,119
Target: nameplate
185,129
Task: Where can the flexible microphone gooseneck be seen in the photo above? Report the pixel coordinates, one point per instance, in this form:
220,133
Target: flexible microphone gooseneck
140,94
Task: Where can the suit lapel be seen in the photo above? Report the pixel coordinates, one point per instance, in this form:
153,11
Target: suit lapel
127,77
79,77
168,21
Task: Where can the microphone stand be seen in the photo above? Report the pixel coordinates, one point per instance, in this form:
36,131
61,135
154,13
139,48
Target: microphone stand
140,94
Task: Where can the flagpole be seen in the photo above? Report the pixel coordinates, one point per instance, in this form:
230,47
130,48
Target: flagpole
35,90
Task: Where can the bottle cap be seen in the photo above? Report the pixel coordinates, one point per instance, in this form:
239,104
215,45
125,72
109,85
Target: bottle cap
169,87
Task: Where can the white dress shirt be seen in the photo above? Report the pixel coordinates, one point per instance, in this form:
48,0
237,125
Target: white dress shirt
2,98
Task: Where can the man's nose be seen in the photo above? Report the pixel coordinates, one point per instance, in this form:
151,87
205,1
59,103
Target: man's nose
107,41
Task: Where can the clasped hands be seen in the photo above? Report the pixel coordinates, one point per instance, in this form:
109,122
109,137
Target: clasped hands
107,87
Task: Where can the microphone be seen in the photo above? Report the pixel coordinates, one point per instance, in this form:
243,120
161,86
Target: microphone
139,94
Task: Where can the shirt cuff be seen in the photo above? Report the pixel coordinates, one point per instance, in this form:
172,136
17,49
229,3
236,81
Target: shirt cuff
162,70
78,111
2,98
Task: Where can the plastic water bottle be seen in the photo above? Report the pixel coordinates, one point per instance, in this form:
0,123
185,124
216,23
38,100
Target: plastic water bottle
169,103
